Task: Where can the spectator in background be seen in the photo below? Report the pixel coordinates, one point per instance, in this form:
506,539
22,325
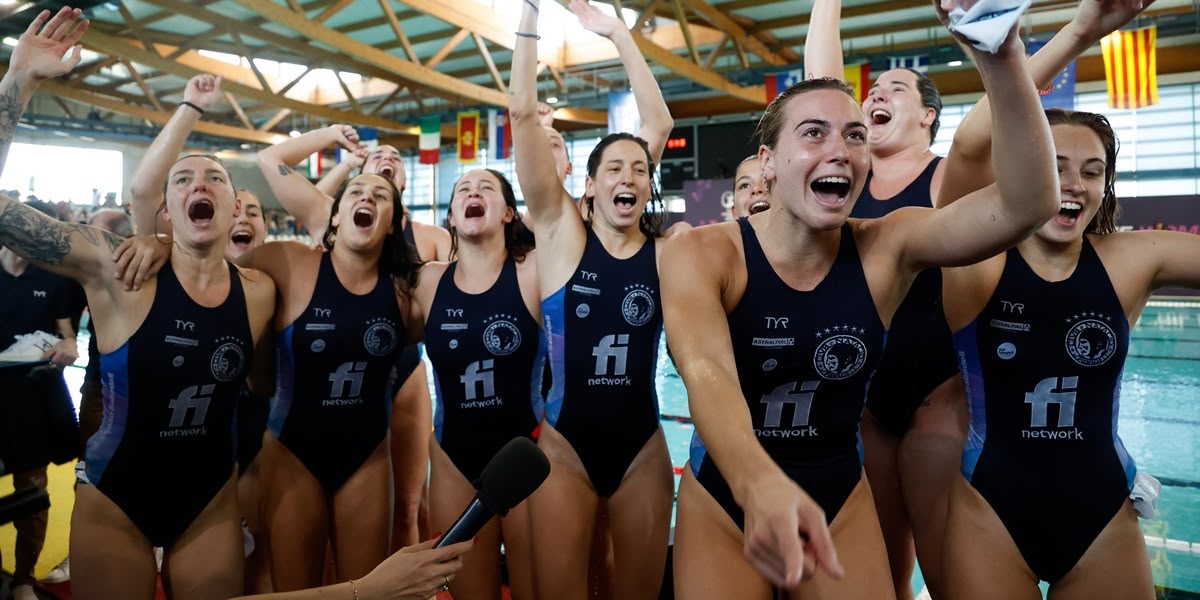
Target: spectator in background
33,300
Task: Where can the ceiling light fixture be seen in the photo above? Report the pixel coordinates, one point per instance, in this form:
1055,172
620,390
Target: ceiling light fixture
954,63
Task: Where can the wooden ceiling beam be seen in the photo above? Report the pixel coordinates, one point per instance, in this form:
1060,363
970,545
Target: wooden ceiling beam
444,84
681,18
697,73
110,45
386,6
475,18
847,12
723,22
72,92
333,9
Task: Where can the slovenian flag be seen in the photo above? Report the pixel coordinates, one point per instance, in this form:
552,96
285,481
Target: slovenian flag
500,135
431,139
777,82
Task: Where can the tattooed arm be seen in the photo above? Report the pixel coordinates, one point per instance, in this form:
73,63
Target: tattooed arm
295,192
76,251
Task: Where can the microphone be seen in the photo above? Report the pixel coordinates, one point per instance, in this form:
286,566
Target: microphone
510,477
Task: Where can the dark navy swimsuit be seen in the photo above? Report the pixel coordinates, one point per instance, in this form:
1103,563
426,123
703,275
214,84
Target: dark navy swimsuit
603,327
1042,364
804,360
488,355
166,445
409,358
337,368
920,354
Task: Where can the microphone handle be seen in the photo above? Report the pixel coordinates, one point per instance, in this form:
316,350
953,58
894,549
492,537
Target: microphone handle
468,524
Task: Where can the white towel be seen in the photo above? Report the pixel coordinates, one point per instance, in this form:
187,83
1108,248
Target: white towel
988,22
1145,495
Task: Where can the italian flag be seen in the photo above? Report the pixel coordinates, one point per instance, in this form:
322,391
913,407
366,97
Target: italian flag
431,139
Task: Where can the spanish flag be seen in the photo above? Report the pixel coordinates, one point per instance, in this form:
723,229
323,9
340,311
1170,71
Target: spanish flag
468,136
859,77
1131,68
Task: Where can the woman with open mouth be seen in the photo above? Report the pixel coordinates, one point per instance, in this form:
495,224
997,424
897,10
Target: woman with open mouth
160,470
482,330
777,322
599,291
411,406
1044,330
913,395
326,473
749,193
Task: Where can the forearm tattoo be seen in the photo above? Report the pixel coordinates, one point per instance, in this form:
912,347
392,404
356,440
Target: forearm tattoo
284,170
11,109
42,239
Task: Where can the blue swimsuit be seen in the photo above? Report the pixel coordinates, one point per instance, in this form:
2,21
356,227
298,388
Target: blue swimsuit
488,355
166,445
920,354
1042,364
804,360
603,327
337,369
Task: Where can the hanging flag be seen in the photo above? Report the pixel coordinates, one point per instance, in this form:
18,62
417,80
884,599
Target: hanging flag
314,165
1061,92
777,82
1131,67
916,62
468,136
859,77
623,114
431,139
499,134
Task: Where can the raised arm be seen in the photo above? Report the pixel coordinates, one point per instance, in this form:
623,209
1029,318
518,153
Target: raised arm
969,162
331,181
779,515
823,44
535,162
294,191
1026,193
652,108
76,251
146,188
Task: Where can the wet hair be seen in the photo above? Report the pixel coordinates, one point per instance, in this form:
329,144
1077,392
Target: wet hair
930,98
771,122
228,175
43,207
1105,220
518,240
652,217
399,258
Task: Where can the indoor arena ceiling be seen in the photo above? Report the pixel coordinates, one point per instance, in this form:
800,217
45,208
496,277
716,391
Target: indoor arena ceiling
382,63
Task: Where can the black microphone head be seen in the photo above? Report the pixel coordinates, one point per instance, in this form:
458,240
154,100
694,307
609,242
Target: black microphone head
512,475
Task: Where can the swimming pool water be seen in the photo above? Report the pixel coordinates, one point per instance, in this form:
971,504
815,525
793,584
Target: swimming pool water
1159,422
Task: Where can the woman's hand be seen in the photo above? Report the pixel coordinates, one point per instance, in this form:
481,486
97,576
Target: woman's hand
414,572
139,258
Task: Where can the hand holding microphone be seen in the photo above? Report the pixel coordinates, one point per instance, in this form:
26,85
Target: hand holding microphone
508,479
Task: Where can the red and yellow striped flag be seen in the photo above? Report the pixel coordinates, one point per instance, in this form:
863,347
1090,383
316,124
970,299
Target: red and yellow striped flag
858,77
1130,67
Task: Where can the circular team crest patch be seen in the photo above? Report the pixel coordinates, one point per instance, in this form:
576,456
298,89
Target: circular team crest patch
638,307
501,338
840,357
380,339
227,362
1091,342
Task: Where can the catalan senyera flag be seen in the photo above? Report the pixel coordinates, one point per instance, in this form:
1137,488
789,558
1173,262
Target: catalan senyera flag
431,139
468,136
1131,67
859,77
